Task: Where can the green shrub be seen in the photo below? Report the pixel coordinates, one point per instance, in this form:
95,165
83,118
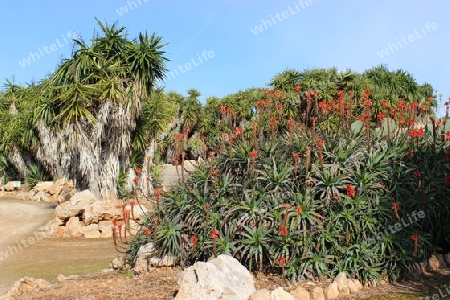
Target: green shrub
36,174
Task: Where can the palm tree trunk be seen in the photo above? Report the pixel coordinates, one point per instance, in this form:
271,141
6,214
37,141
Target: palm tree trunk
146,184
20,160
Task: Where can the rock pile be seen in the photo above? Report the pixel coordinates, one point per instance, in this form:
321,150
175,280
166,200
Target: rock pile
27,285
83,215
225,278
340,287
47,191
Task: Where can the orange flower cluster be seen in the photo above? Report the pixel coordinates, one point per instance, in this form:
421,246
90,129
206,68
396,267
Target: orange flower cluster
351,192
416,133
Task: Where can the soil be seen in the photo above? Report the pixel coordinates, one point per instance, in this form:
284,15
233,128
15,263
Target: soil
161,283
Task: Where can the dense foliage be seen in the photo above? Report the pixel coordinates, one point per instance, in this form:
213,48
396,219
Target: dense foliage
309,187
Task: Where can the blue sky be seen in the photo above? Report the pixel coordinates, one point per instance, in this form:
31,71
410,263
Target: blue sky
347,34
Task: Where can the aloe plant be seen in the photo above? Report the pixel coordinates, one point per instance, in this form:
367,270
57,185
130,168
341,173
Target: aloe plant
325,211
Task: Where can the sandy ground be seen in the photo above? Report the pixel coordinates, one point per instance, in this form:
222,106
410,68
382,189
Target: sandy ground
18,219
25,252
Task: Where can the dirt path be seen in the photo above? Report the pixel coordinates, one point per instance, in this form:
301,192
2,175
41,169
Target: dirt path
24,251
17,220
170,175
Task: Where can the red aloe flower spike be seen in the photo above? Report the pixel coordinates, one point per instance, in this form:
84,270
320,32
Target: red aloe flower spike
214,236
395,207
291,124
298,210
238,131
283,231
313,120
320,143
351,192
132,204
157,193
282,262
194,241
296,157
155,227
253,154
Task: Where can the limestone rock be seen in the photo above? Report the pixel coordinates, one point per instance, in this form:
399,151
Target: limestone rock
102,210
342,283
55,228
300,294
144,253
43,186
61,278
91,231
8,187
165,261
83,198
61,186
220,278
146,258
332,291
119,263
104,227
317,294
21,195
39,196
354,285
28,285
75,227
280,294
433,263
64,211
263,294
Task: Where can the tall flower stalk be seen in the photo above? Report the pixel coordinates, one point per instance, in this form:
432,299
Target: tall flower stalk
253,154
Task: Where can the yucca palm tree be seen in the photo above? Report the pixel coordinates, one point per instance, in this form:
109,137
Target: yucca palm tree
84,114
285,80
191,108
